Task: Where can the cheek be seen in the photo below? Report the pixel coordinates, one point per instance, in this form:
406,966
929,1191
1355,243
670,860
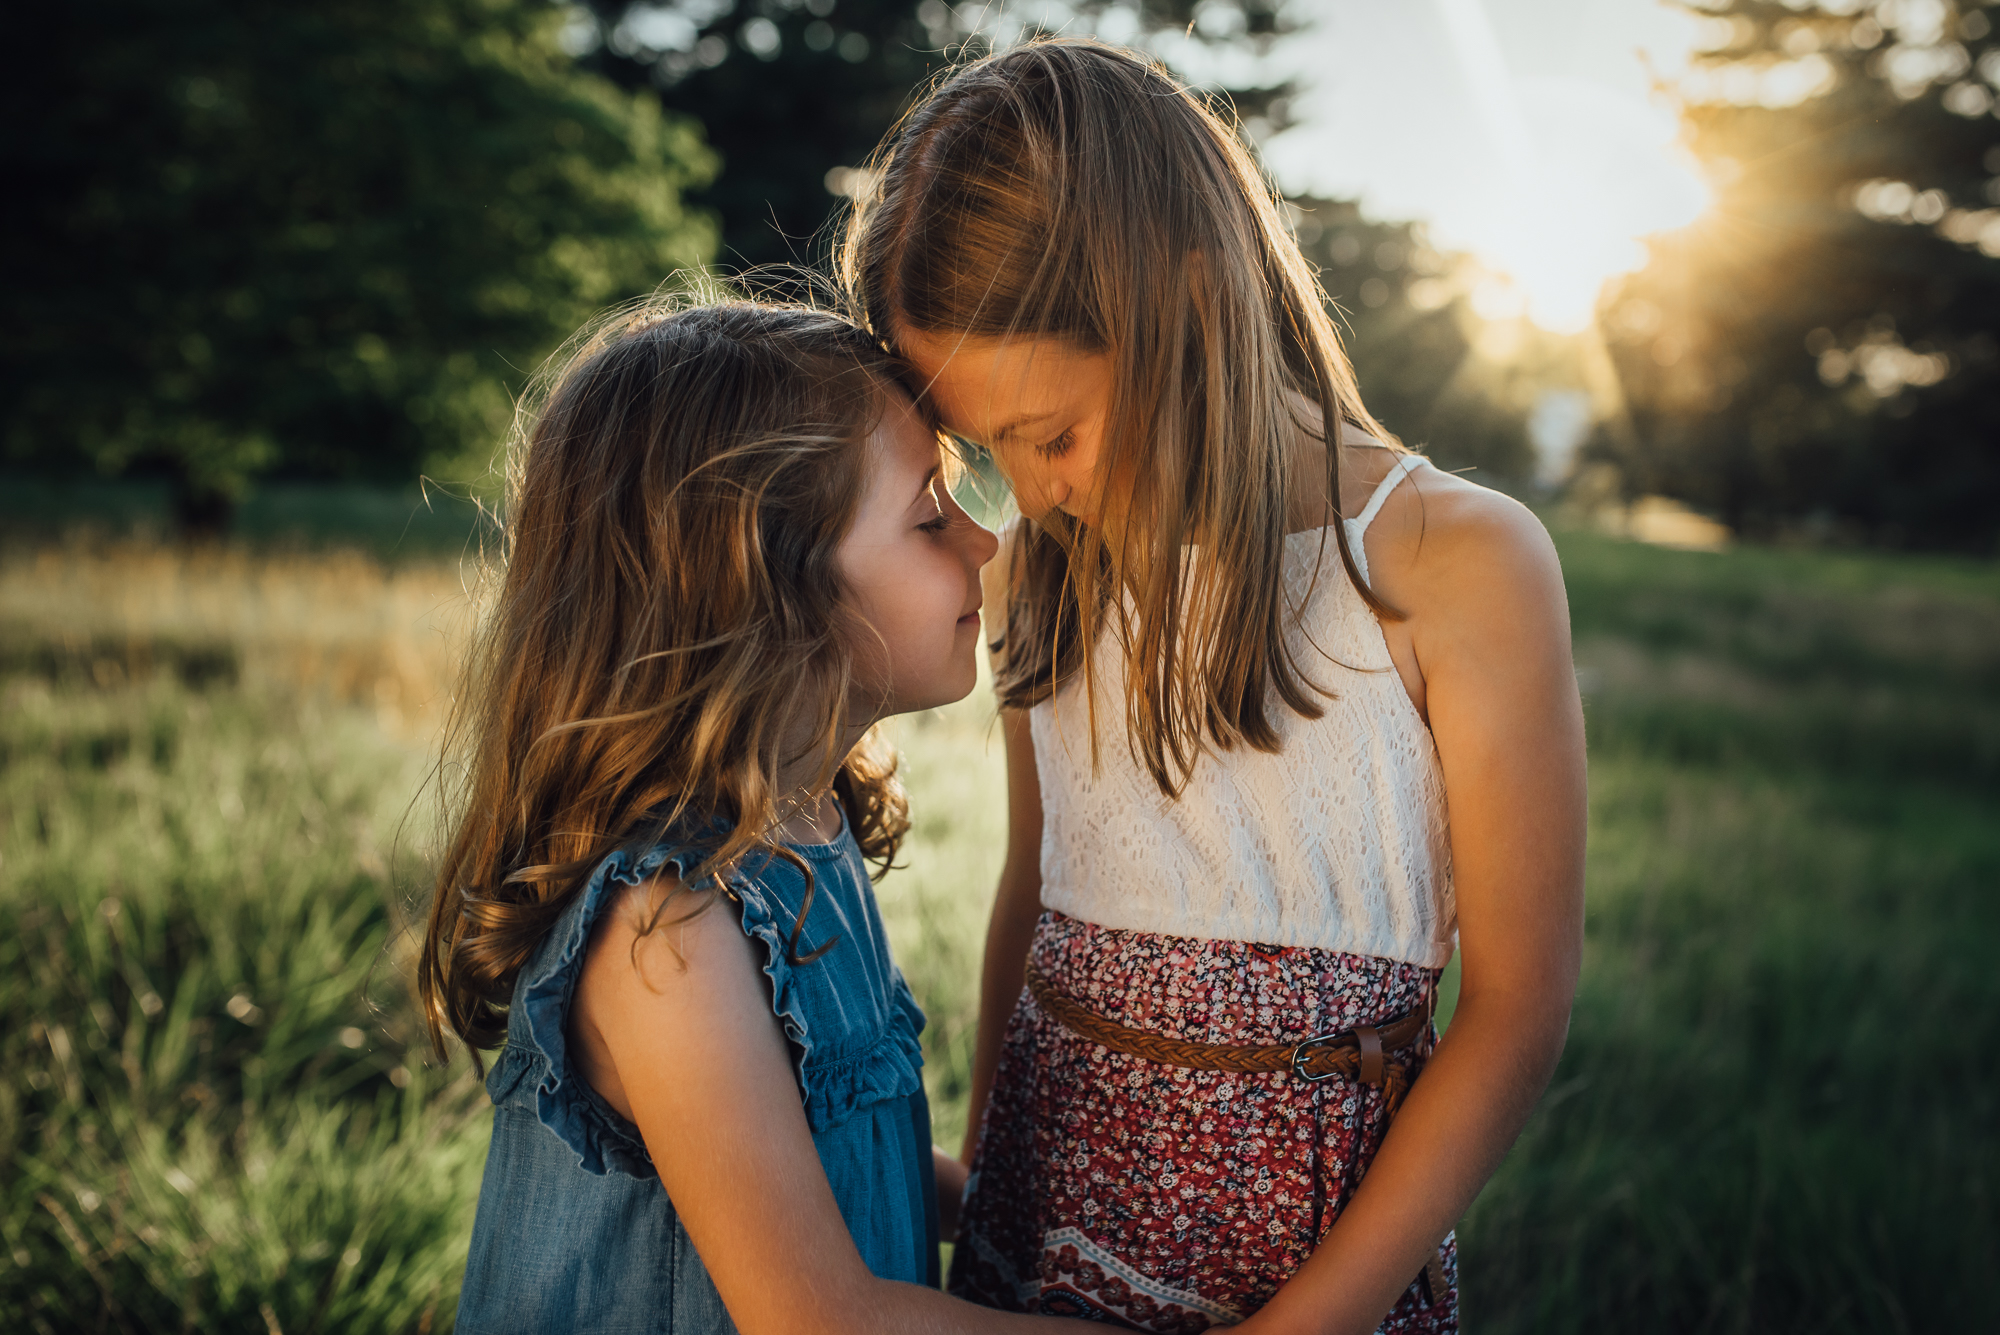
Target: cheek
912,598
1027,472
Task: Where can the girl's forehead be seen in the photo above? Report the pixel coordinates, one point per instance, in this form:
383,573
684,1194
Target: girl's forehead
905,435
986,384
906,387
935,350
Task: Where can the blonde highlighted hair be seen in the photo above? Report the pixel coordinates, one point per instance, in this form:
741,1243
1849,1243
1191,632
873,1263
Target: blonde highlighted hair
1070,190
670,630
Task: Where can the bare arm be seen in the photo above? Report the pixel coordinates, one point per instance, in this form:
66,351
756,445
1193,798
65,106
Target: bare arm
1490,632
1016,906
732,1146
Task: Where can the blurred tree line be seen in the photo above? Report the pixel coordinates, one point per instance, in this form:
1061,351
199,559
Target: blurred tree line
326,236
1402,311
1818,355
332,239
795,93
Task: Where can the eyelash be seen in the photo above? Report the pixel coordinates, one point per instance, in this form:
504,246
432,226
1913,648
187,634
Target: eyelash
938,525
1058,447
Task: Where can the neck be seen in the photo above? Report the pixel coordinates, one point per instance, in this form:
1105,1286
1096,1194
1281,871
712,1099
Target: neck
813,819
807,812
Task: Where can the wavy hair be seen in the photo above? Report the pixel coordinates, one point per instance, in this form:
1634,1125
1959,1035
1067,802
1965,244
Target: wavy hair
669,630
1072,190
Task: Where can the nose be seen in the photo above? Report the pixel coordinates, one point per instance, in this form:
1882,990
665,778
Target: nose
1038,488
984,546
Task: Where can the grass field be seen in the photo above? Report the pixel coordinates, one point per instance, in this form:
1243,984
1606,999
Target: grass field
1774,1112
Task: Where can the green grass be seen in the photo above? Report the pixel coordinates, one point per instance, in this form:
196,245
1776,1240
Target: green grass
1774,1111
419,523
1775,1108
214,1119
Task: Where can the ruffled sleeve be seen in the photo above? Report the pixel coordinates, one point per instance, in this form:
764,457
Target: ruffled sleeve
853,1045
835,1080
538,1026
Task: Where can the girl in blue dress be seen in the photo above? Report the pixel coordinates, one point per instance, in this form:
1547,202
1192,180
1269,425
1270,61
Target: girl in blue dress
730,551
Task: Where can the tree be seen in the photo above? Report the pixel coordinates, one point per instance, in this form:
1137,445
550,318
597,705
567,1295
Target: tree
795,91
1820,352
792,91
1407,331
326,237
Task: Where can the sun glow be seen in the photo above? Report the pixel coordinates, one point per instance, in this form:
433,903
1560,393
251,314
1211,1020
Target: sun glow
1549,179
1563,221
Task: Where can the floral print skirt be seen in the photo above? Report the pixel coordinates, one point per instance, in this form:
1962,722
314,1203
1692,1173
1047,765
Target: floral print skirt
1159,1198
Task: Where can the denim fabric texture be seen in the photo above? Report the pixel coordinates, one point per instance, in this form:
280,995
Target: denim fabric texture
574,1231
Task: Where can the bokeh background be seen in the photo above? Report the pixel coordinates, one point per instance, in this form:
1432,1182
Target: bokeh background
1711,285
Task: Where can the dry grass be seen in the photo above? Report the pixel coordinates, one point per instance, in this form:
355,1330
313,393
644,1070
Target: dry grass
339,626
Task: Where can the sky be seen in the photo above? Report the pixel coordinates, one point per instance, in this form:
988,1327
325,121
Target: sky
1523,131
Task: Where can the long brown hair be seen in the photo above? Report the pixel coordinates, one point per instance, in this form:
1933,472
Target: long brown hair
668,625
1072,190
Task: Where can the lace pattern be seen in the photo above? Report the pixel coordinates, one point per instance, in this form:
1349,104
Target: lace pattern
1339,841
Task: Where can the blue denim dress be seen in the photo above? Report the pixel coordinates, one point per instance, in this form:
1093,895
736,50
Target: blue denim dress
574,1231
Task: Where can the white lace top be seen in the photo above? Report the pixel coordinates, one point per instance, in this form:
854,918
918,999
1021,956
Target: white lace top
1338,841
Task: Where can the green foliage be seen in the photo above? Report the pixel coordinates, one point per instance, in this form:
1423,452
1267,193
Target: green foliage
786,93
791,90
423,523
1819,353
207,1123
328,238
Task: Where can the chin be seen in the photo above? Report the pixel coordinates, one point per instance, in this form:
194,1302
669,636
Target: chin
955,688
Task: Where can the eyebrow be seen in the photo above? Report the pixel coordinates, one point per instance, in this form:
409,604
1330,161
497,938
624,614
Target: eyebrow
1024,421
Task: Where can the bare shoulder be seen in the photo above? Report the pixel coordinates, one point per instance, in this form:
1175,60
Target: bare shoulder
1442,540
657,940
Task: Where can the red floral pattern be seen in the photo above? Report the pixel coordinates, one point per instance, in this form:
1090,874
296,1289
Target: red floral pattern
1163,1199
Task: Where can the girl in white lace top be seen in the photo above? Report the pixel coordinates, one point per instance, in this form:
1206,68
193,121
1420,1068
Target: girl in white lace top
1267,764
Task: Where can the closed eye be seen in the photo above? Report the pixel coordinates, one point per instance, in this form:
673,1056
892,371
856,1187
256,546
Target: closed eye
1058,447
943,519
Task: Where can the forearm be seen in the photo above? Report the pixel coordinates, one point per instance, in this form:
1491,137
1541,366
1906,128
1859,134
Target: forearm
891,1308
1453,1130
1008,935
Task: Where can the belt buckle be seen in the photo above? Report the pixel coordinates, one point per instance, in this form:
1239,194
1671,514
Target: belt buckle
1299,1056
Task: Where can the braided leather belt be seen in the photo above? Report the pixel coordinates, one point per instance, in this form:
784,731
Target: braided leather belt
1359,1054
